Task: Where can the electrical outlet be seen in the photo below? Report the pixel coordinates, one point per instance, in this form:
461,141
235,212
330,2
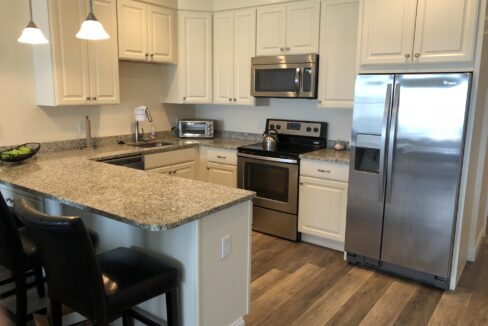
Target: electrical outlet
225,246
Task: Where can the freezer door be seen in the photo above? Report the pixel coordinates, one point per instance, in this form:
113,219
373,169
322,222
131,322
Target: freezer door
424,166
372,106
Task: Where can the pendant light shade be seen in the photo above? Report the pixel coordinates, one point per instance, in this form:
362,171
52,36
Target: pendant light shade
91,29
32,34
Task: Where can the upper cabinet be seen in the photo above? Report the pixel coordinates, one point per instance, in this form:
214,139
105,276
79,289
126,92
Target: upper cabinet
288,29
234,37
190,81
146,32
338,43
414,32
70,71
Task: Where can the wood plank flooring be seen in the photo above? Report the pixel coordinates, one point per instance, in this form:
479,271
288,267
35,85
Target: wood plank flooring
301,284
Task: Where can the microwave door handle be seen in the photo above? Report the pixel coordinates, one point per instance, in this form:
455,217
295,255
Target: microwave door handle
297,81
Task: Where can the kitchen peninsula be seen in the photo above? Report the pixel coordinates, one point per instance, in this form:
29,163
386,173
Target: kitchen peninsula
185,222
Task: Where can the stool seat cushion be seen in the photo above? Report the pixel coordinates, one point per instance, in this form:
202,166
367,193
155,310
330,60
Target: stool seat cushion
131,277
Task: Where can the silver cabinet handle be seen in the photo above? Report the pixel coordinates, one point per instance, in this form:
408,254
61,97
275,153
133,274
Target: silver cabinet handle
407,56
323,171
221,157
417,55
282,49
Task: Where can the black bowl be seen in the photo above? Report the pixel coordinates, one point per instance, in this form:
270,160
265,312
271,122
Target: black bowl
34,147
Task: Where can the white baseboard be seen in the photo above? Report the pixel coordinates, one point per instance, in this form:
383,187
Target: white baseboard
239,322
331,244
473,250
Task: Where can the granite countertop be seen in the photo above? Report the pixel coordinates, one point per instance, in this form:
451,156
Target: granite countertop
328,155
147,200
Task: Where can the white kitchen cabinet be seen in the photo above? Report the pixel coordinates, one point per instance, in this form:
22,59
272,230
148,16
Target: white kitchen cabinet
184,170
338,47
70,71
288,29
180,163
323,203
146,32
234,46
414,32
191,80
222,174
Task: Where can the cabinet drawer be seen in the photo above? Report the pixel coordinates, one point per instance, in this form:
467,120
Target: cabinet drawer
223,156
323,170
153,161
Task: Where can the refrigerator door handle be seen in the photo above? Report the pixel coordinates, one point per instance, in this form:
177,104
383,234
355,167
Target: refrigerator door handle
391,145
384,131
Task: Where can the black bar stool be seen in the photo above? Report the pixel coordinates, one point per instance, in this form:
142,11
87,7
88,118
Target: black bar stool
102,288
18,254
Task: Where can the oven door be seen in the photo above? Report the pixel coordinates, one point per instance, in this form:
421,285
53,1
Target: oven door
284,80
274,180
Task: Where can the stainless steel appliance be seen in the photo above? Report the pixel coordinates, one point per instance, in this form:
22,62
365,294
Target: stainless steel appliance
196,128
134,162
292,76
406,160
273,174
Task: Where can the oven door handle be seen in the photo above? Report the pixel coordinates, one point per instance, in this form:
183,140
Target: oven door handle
270,159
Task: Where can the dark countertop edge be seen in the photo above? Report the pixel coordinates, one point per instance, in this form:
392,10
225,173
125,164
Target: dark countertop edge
144,226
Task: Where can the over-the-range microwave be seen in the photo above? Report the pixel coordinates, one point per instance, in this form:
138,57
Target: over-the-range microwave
288,76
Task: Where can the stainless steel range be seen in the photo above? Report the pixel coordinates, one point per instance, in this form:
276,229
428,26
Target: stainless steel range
273,174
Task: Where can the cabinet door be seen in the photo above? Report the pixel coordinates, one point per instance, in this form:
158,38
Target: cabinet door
161,34
338,53
72,76
387,31
222,174
271,30
103,57
244,50
132,26
163,170
302,27
445,31
322,208
184,170
195,62
224,58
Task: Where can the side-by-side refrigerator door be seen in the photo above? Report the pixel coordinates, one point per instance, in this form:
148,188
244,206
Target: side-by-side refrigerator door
372,106
424,169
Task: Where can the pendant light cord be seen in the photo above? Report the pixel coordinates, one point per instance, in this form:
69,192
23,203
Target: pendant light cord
30,10
91,6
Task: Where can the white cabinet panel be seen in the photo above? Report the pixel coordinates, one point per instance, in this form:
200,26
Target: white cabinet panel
163,170
222,174
223,34
271,30
184,170
387,31
445,31
322,208
132,27
161,33
302,27
338,47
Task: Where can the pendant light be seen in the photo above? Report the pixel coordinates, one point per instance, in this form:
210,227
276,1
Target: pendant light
91,29
32,34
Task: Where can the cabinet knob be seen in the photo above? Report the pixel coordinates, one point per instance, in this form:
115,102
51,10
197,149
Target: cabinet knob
319,101
301,183
88,98
184,98
287,48
152,55
208,168
230,100
94,98
235,100
407,56
282,49
417,55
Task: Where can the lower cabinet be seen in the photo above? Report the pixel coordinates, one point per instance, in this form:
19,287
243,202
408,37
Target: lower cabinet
222,174
180,163
322,210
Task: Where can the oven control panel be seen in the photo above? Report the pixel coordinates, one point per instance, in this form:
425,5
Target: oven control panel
297,128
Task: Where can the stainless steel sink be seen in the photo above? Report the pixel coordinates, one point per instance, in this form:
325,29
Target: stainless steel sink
150,144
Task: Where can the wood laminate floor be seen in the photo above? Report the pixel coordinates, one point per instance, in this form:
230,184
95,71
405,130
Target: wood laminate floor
301,284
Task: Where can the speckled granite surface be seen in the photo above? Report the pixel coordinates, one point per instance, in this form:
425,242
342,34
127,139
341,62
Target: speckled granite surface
328,155
146,200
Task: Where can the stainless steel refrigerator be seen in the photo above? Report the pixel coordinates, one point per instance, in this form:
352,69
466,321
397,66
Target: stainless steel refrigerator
406,160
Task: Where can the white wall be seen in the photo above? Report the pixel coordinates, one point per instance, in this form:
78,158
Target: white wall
253,119
21,120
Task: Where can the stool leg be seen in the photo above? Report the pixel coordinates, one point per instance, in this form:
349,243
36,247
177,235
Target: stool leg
21,301
127,320
56,314
40,282
172,307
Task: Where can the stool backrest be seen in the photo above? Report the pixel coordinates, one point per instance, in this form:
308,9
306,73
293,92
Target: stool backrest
72,271
11,252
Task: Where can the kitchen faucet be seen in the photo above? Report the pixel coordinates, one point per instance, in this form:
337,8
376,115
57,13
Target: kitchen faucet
141,113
